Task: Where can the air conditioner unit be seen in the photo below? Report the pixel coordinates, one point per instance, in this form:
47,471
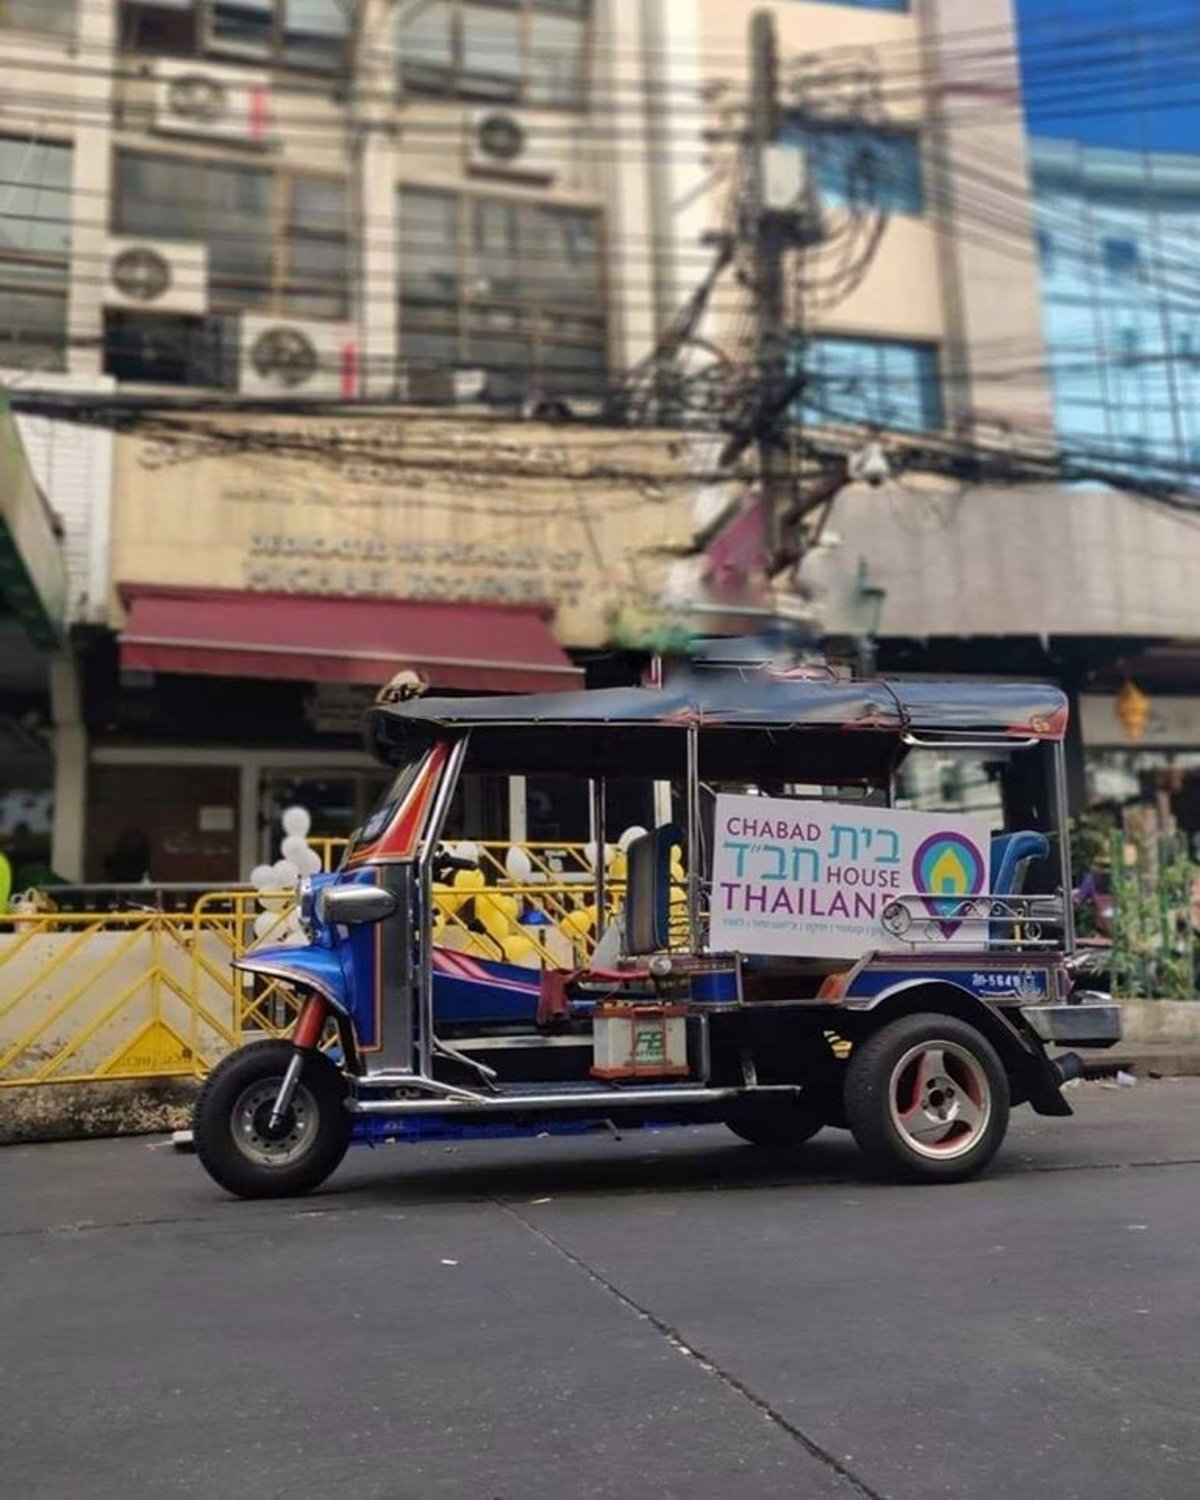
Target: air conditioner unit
287,357
156,276
506,143
224,104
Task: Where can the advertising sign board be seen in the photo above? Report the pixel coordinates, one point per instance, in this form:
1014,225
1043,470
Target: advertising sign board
800,878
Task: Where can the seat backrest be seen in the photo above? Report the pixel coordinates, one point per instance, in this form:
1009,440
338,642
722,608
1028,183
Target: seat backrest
1011,856
648,893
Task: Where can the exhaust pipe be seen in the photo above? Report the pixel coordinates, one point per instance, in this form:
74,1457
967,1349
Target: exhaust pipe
1070,1065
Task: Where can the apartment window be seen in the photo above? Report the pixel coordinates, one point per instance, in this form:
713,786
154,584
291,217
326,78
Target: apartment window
1046,250
309,34
171,349
872,382
502,285
858,166
1121,258
35,248
901,6
52,17
1128,346
530,51
276,240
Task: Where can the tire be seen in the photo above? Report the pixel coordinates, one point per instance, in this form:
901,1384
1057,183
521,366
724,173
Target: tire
774,1123
230,1131
927,1099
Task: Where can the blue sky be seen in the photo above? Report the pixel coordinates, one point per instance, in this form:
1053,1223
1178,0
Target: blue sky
1147,104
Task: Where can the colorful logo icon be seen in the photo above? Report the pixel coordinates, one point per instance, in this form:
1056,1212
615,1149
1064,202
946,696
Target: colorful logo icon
948,869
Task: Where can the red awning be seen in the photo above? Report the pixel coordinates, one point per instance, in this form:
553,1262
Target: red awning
226,633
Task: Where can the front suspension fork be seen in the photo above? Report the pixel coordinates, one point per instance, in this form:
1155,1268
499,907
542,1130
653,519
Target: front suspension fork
305,1037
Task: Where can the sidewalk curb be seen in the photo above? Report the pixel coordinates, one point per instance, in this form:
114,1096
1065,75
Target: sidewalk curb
1163,1061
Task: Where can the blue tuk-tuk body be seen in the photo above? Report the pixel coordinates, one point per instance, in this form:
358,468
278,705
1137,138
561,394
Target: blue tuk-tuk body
918,1044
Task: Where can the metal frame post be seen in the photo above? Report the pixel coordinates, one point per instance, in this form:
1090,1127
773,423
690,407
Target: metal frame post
424,969
599,791
1062,817
694,843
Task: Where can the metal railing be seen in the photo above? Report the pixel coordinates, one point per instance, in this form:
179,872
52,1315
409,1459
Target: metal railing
91,996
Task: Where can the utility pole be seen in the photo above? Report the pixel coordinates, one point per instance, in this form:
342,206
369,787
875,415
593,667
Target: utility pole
769,238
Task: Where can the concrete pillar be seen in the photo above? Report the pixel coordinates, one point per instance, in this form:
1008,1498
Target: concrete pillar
91,183
680,197
979,161
371,142
621,87
70,746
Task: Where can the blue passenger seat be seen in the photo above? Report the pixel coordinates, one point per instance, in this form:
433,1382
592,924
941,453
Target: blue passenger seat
1011,856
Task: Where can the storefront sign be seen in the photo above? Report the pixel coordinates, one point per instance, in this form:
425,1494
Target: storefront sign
814,878
434,507
1173,722
33,572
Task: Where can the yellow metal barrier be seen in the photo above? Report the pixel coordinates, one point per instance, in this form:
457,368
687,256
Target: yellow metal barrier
97,996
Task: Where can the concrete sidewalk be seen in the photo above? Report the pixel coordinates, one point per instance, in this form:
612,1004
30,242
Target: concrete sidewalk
1161,1039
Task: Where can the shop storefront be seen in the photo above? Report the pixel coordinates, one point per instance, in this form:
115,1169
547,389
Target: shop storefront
33,604
270,576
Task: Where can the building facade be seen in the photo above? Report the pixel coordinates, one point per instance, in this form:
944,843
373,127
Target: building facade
456,215
1116,236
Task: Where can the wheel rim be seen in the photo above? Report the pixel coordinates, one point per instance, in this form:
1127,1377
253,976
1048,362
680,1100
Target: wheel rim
940,1099
252,1132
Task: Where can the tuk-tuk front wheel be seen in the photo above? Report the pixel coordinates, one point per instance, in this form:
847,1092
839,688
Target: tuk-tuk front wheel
927,1099
236,1141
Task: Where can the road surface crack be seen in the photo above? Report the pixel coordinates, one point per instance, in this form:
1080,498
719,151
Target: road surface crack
690,1351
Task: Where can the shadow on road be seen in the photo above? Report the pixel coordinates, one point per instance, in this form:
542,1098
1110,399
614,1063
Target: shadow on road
471,1171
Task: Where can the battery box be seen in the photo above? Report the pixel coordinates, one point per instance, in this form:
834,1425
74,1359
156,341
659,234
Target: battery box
640,1041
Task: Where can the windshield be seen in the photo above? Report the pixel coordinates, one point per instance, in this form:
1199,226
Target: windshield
389,803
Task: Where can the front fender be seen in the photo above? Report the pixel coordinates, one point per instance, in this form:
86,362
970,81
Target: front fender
312,967
1029,1068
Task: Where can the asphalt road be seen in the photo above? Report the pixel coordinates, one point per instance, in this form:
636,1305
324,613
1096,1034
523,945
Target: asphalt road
657,1316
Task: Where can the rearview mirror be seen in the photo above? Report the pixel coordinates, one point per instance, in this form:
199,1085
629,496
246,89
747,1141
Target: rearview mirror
353,905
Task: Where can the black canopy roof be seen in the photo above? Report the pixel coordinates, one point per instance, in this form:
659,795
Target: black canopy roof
761,723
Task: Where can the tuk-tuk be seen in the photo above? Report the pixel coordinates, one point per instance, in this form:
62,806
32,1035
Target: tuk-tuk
789,948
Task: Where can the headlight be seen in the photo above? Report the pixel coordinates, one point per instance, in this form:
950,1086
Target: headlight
305,904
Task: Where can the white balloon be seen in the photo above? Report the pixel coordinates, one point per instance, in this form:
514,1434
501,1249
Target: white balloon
297,821
468,851
591,852
628,837
518,864
293,848
285,873
265,924
262,877
310,864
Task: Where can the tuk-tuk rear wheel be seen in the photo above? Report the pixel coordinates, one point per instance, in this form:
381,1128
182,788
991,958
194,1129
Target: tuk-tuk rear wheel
233,1136
927,1099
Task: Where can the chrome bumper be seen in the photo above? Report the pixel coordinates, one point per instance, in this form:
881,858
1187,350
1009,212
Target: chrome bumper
1088,1024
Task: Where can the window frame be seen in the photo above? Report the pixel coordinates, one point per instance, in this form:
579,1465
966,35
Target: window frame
538,319
206,43
879,347
891,7
64,31
452,80
799,133
282,179
54,282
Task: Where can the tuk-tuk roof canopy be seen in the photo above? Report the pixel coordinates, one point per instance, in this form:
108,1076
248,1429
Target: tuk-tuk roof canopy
862,725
